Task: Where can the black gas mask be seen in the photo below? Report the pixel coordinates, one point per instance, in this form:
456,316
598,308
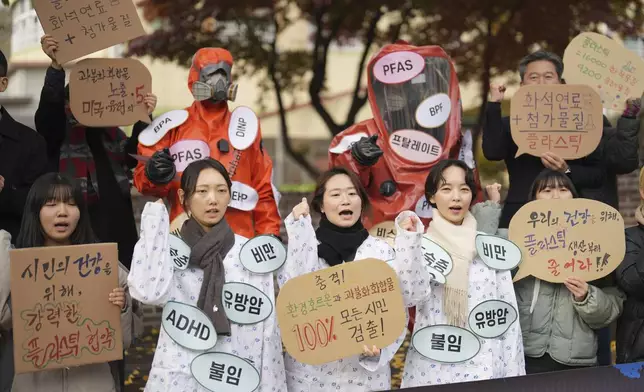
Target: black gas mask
215,84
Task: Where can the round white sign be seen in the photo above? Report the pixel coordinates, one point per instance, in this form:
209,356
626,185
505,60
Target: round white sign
161,125
436,276
245,304
398,67
446,343
263,254
243,128
497,252
434,111
491,319
187,151
179,252
346,142
243,197
223,372
436,257
415,146
423,208
188,326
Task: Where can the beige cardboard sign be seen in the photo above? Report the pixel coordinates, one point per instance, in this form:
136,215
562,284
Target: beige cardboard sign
82,27
561,118
332,313
109,92
385,231
563,238
61,313
615,72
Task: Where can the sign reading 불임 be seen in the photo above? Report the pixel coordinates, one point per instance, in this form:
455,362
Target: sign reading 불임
561,118
61,313
82,27
109,92
332,313
615,72
563,238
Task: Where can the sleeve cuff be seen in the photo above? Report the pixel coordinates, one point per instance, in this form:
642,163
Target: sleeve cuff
591,291
408,235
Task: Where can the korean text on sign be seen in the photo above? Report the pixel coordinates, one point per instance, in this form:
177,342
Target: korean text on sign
85,26
61,296
331,313
564,119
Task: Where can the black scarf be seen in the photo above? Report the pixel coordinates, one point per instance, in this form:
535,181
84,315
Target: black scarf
207,251
339,244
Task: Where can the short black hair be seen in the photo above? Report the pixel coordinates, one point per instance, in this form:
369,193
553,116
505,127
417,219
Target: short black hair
58,187
320,188
435,177
541,55
549,178
4,66
191,175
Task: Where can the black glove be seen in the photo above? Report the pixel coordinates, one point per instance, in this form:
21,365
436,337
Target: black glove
160,168
366,152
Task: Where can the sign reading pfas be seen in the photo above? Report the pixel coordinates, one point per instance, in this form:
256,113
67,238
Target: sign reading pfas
332,313
563,238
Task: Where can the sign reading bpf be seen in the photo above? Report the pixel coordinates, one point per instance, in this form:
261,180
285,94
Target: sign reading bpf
563,238
332,313
109,92
561,118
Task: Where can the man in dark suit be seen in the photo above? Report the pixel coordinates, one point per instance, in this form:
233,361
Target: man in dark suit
23,158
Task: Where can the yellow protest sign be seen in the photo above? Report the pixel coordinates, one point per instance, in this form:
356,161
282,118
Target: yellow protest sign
109,92
561,118
385,231
563,238
615,72
61,313
332,313
85,27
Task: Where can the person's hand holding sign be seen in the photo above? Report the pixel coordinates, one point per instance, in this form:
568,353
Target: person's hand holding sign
117,297
374,352
301,209
50,45
410,224
497,92
577,287
554,162
150,102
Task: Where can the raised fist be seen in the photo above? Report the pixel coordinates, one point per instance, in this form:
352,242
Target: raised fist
301,209
365,151
160,168
497,92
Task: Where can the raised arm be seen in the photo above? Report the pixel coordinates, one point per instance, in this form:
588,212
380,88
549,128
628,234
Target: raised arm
408,262
497,139
152,274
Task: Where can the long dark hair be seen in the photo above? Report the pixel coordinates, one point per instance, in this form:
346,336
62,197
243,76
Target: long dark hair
551,179
191,175
320,188
53,187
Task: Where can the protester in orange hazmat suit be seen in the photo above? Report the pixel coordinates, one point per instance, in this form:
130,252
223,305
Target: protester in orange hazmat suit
415,100
211,130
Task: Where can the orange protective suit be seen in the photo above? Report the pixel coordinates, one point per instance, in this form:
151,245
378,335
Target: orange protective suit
199,137
405,83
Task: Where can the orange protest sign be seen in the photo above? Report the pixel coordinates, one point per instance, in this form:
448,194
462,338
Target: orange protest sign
563,238
61,313
109,92
332,313
82,28
561,118
615,72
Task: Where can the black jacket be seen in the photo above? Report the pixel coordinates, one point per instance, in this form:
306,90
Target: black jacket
619,150
630,278
498,145
23,158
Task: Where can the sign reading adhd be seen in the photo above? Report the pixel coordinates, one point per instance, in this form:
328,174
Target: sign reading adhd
561,118
109,92
62,315
85,27
615,72
563,238
332,313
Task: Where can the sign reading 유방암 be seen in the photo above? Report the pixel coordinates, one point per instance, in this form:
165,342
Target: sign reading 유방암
61,313
563,238
84,27
615,72
561,118
491,319
109,92
245,304
332,313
